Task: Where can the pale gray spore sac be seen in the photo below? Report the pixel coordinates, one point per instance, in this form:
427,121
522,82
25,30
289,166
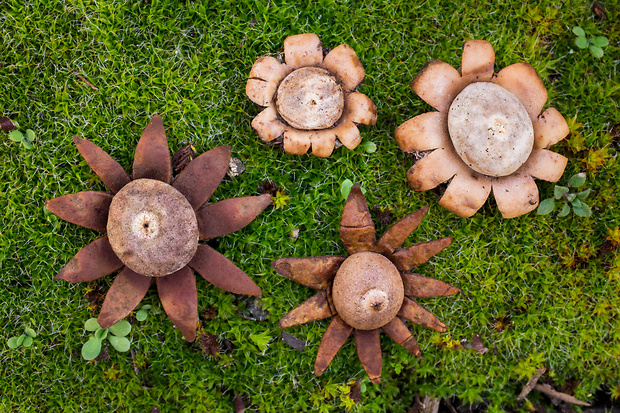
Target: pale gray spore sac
490,129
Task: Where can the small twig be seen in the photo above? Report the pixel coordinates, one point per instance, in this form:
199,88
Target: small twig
450,407
546,389
430,405
133,361
83,79
530,384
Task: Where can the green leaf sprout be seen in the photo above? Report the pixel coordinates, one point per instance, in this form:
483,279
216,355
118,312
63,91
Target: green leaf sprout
115,335
26,339
570,200
594,43
26,141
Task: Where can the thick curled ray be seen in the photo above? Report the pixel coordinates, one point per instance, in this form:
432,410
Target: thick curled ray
314,308
437,84
515,195
313,272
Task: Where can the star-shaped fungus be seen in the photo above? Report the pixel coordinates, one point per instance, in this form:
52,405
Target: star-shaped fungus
154,223
310,98
370,290
488,133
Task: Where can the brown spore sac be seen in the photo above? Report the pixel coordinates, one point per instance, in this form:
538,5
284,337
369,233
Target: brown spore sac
310,98
152,228
368,291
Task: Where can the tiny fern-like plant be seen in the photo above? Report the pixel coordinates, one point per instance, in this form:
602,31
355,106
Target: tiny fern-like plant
115,335
568,199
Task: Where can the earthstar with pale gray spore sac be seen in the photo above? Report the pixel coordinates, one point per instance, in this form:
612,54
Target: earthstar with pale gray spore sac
488,133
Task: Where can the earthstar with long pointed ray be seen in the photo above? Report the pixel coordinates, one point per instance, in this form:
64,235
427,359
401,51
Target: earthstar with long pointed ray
154,224
370,291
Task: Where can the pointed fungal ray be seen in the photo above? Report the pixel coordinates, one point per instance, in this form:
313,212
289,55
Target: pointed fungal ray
333,339
396,235
126,292
314,308
88,209
201,177
415,313
178,295
369,352
152,157
229,215
414,255
419,286
221,272
357,231
93,261
107,169
313,272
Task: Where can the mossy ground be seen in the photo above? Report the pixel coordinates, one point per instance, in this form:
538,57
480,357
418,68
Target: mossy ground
188,62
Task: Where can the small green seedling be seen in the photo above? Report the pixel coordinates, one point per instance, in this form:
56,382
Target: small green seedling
280,200
115,335
594,43
143,312
368,147
17,136
25,339
574,200
345,188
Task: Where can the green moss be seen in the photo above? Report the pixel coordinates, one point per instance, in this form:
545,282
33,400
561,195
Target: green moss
189,62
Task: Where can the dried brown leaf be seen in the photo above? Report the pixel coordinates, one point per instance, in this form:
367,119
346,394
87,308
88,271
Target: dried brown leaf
209,344
183,157
293,341
599,10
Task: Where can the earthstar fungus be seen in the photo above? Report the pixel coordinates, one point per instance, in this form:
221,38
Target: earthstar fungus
369,291
310,99
488,133
154,223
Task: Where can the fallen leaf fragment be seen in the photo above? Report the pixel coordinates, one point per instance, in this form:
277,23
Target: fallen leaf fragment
599,10
238,405
6,124
293,341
